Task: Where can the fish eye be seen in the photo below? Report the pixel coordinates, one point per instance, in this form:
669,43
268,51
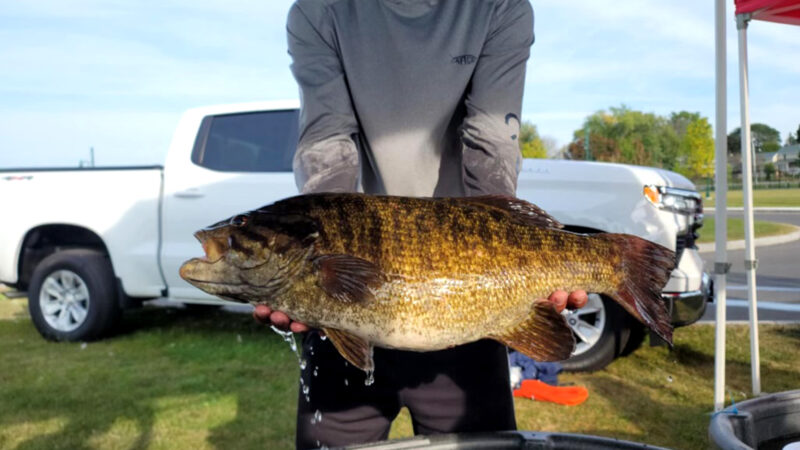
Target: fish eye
239,221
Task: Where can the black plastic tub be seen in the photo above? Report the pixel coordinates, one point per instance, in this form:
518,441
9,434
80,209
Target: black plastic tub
768,422
505,440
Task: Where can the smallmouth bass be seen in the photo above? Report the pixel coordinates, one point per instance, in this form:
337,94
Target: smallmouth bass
426,273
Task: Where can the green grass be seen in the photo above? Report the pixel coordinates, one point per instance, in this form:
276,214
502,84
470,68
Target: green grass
170,380
180,380
761,197
736,229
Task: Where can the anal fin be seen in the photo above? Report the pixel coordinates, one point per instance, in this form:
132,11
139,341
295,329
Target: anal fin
544,335
354,349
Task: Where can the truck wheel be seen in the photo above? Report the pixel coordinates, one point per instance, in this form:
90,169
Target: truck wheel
73,297
600,330
636,338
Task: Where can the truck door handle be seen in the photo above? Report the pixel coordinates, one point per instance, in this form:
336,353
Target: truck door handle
189,193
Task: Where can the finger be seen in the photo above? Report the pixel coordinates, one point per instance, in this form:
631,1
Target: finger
559,299
577,299
280,320
261,314
298,327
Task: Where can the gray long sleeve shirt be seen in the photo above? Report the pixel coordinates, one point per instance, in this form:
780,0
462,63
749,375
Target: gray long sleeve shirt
411,97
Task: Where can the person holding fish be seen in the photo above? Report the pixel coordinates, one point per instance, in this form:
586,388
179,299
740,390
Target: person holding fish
417,98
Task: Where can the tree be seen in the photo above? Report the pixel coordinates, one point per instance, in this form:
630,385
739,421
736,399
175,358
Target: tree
793,139
530,143
602,148
765,139
625,135
680,121
769,170
697,149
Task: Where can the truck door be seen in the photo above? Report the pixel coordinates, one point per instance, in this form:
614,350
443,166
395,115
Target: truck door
239,162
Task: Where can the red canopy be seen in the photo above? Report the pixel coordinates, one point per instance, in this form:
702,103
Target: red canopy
783,11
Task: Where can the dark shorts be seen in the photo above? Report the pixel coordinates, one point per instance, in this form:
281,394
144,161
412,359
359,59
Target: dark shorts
464,389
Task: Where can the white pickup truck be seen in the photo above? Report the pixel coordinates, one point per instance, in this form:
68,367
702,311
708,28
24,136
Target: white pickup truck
87,243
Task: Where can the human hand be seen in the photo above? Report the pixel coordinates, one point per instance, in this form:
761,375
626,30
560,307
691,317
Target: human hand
573,300
267,316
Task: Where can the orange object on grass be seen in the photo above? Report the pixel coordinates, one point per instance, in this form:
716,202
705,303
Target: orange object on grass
563,395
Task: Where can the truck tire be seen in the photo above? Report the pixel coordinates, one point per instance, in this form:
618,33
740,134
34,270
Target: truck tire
601,331
636,337
73,297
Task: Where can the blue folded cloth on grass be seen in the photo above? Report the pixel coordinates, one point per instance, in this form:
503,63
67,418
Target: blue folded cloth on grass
547,372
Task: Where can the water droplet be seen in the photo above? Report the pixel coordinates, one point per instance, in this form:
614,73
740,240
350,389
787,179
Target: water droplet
315,370
305,389
83,345
370,378
317,444
346,383
239,338
317,417
288,336
308,398
323,337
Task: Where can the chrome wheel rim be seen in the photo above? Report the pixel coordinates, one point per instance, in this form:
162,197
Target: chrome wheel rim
587,324
64,300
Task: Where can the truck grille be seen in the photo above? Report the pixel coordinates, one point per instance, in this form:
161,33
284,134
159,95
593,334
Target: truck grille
680,245
687,240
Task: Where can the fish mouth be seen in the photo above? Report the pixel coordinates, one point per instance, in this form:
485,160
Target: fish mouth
197,270
213,251
213,248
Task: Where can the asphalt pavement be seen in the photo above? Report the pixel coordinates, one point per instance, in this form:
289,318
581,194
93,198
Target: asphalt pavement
777,276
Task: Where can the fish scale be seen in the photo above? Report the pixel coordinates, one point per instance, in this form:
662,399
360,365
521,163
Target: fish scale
426,274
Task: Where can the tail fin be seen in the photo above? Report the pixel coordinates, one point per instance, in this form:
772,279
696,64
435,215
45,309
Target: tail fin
645,268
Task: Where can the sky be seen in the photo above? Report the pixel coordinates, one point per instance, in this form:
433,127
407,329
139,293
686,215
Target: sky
116,75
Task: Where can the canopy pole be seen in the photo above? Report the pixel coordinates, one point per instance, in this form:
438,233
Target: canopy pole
747,186
721,190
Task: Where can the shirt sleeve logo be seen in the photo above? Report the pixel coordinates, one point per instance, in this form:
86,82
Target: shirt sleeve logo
464,60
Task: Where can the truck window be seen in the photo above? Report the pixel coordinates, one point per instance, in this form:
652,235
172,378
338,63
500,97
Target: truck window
249,142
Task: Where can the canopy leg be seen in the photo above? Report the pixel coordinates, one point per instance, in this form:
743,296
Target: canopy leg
721,212
747,185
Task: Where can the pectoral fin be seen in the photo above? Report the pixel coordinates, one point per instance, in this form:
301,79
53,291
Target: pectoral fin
348,278
353,348
544,335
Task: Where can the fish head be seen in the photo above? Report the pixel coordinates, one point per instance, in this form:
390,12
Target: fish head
252,256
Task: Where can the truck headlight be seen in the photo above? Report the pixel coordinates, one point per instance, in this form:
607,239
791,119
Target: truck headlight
680,201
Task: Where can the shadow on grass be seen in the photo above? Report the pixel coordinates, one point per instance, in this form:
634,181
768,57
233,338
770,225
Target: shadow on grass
167,373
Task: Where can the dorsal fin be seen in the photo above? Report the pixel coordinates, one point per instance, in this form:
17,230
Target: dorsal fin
521,210
348,278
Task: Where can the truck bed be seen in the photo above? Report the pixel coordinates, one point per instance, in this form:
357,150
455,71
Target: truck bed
118,204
